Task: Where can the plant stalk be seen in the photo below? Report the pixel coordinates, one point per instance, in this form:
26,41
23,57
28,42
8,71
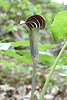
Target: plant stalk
33,77
51,72
34,40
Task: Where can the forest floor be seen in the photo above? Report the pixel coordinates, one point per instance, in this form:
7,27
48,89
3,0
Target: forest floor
16,84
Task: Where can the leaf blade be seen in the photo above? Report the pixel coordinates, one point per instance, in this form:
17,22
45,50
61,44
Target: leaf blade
59,26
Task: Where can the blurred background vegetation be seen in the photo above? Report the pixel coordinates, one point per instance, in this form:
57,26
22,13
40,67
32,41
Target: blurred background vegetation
11,13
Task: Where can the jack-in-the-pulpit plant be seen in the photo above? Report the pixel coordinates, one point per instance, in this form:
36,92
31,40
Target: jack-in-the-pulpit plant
34,23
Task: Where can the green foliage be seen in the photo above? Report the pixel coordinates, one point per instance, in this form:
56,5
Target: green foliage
51,72
12,11
5,4
26,53
45,47
7,63
26,43
61,67
63,74
46,58
14,54
20,43
59,26
59,31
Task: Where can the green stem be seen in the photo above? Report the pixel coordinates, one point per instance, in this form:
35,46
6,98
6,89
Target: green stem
51,72
33,77
34,40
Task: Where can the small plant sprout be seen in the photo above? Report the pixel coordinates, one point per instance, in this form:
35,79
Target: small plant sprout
34,23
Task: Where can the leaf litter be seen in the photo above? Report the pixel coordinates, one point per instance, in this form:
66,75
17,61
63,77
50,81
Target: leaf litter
16,84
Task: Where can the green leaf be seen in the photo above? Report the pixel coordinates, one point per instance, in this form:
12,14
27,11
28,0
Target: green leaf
7,63
4,46
58,67
20,43
45,47
26,53
59,26
63,74
41,66
26,43
15,55
46,58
